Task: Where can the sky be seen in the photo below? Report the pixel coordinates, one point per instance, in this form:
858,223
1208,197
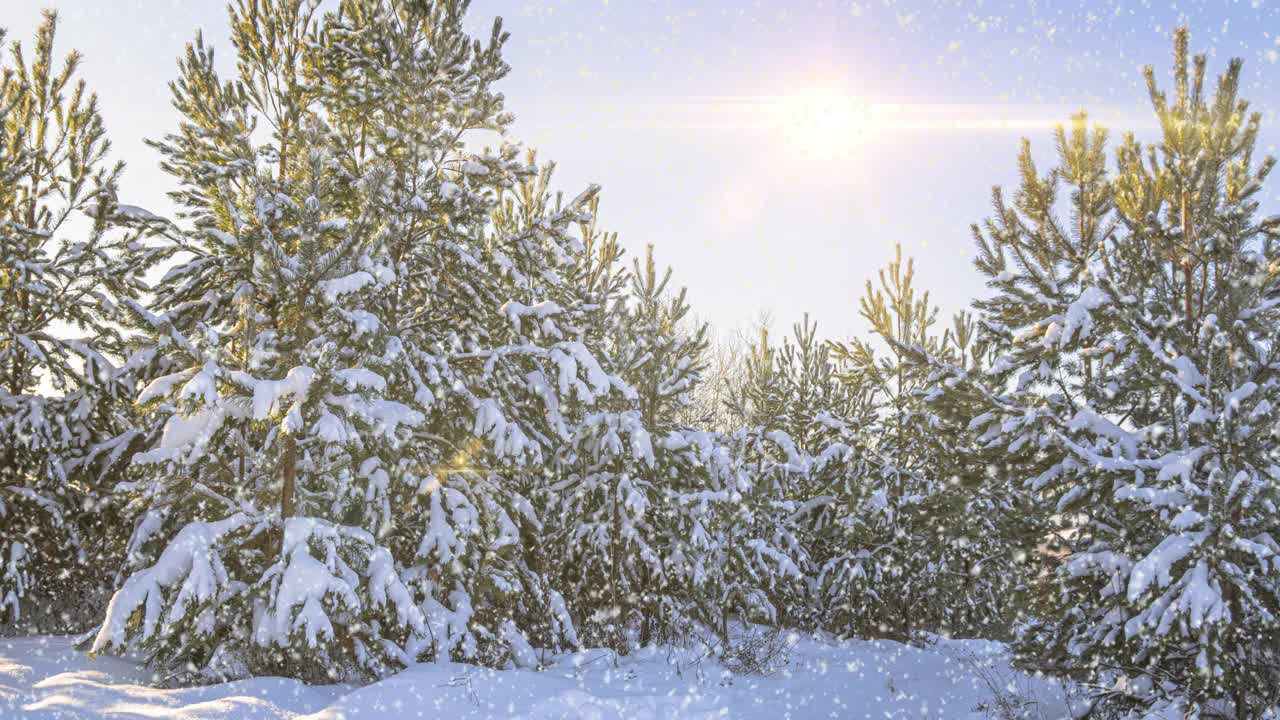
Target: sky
772,152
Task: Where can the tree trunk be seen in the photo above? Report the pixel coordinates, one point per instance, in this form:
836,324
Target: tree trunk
615,571
16,387
289,477
1188,273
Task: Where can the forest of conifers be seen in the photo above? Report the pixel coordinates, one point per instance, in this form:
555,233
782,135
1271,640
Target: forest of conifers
373,396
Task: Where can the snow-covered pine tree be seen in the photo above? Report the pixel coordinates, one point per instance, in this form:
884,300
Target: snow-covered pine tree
254,552
902,551
358,365
598,283
405,87
590,531
763,408
751,559
1140,368
1037,265
902,318
629,556
509,385
62,394
815,401
875,480
760,555
758,400
725,537
867,481
668,355
803,417
982,525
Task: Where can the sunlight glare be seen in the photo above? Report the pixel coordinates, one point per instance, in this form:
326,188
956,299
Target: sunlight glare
823,123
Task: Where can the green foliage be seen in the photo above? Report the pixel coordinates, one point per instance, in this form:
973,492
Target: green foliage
350,405
905,539
1131,399
62,392
404,401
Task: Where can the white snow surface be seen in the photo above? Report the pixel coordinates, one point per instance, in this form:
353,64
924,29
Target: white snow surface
45,678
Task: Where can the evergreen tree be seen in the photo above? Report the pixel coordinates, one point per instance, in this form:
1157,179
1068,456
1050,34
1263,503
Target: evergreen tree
359,360
581,502
982,525
1134,396
759,400
815,401
764,506
905,537
752,559
63,395
732,546
902,319
875,576
628,557
1036,265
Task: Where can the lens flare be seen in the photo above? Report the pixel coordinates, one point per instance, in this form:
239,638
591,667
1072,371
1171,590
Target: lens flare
823,122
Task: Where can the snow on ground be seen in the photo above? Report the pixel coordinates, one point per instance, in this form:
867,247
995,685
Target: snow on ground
46,677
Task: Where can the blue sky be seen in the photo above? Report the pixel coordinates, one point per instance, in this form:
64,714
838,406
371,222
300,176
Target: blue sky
668,105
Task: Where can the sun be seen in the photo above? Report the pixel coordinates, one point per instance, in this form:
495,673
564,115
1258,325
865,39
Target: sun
823,123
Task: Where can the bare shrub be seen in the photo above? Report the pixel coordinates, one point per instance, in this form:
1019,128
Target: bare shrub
757,651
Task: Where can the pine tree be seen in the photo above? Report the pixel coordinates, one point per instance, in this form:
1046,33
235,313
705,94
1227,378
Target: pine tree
732,553
875,576
902,319
358,357
759,400
763,502
585,551
815,399
628,556
982,525
1036,265
63,395
273,407
524,374
904,536
1134,397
